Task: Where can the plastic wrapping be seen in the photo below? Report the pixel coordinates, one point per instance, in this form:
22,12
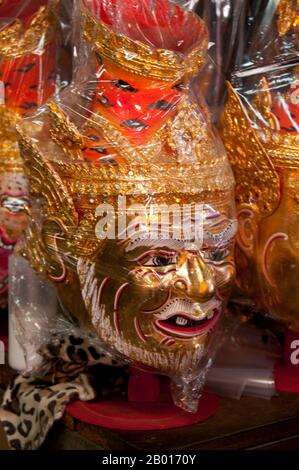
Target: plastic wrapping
223,19
187,4
132,212
38,331
260,130
244,364
28,37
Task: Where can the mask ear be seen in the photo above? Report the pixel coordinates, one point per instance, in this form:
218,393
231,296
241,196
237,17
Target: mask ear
54,239
49,195
46,186
247,230
54,230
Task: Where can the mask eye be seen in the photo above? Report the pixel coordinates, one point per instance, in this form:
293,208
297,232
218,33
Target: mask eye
218,254
161,260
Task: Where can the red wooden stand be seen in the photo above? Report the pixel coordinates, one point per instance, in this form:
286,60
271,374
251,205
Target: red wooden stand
149,406
286,372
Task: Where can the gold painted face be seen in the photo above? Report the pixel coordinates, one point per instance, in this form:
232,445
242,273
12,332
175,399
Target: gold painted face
156,300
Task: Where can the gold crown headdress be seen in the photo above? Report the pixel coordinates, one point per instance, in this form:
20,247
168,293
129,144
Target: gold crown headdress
255,149
287,16
254,144
10,160
69,186
17,40
142,59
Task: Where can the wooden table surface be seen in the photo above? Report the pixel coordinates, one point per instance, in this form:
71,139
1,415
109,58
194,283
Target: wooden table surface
249,423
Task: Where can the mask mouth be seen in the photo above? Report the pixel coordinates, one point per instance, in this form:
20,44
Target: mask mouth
183,325
5,242
14,204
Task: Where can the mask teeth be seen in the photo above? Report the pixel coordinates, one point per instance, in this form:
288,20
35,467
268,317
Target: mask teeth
176,305
183,305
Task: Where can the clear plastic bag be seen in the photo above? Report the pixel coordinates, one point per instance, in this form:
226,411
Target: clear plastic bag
244,363
223,19
260,131
132,213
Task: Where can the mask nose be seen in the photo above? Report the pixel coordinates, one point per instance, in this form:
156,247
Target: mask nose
195,279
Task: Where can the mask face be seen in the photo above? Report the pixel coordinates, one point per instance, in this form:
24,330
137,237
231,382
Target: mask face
13,198
157,300
13,220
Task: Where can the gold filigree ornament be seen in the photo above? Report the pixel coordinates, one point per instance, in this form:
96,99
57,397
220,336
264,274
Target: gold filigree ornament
256,149
10,160
287,16
15,40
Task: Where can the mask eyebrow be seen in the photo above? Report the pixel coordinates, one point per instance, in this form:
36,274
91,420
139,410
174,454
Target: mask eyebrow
221,238
156,244
153,252
213,216
216,229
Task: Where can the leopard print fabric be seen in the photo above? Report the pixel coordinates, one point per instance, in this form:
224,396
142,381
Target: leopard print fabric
72,370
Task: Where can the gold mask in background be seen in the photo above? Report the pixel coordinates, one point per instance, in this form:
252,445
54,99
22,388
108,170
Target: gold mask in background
27,62
134,131
260,130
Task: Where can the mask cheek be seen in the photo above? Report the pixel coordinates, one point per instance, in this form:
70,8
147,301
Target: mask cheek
224,279
280,265
152,278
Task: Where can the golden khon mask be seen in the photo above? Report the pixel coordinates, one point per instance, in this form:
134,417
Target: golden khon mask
132,203
260,129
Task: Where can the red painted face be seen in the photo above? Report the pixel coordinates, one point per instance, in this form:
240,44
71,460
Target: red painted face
137,107
29,79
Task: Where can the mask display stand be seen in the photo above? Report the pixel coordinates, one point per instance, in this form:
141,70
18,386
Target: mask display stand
149,406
